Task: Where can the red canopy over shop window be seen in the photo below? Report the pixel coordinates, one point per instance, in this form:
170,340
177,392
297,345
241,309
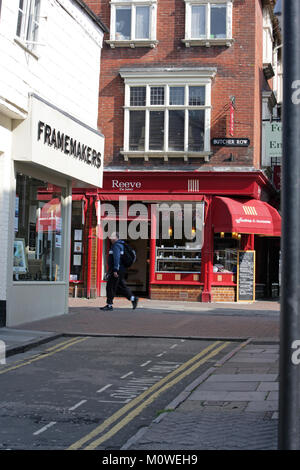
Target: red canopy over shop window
251,216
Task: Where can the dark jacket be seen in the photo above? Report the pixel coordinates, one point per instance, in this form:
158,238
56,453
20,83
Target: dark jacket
115,257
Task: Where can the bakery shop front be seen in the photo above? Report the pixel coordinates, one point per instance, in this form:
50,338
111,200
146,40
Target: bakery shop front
193,233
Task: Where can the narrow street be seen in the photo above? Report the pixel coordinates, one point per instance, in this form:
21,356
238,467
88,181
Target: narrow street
95,393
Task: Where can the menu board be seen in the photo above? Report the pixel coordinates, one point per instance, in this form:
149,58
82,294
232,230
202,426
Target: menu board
246,276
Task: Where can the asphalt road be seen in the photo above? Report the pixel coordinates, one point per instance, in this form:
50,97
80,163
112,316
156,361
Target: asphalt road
95,393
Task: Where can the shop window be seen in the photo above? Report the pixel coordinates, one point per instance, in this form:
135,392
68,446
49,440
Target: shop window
77,241
39,231
208,22
177,249
28,22
226,247
133,23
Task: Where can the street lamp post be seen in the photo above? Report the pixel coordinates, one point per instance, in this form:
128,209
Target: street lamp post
289,392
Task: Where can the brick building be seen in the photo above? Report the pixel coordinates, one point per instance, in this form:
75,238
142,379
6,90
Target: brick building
185,86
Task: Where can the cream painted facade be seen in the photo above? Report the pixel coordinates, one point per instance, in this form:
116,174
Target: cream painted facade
49,83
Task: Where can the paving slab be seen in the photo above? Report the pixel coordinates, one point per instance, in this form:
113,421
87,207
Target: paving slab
229,386
255,359
273,396
266,405
268,386
242,378
228,396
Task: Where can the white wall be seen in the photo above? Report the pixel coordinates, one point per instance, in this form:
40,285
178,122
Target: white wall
64,69
6,173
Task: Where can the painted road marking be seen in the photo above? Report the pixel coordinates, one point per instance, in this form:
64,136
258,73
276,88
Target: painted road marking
161,354
77,405
173,346
126,375
112,419
44,428
115,401
145,363
39,353
44,355
152,397
134,387
104,388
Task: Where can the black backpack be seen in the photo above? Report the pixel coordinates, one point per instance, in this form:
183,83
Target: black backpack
129,256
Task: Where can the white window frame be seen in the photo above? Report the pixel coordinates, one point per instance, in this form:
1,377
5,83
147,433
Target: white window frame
133,41
28,21
207,41
267,37
167,78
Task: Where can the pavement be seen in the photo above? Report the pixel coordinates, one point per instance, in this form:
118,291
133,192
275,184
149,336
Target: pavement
234,405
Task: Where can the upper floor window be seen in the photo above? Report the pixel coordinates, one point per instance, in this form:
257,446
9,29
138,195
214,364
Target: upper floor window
167,115
208,22
133,23
28,21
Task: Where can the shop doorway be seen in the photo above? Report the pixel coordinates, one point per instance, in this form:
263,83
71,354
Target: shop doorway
267,267
138,275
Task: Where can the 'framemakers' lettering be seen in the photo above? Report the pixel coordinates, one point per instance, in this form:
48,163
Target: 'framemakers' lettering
68,145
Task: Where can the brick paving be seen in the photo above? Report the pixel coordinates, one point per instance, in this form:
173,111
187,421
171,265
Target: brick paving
164,318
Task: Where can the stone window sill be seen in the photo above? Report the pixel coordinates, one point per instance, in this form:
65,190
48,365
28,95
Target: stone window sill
165,155
208,42
133,44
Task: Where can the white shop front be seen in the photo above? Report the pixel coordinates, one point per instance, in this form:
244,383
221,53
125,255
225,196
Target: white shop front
51,153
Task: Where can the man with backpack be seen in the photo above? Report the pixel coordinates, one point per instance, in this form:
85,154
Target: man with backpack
121,256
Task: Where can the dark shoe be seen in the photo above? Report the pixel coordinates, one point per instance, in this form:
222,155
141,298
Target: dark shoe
107,308
135,302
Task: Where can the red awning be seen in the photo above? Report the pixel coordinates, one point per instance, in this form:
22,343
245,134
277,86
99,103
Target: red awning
252,216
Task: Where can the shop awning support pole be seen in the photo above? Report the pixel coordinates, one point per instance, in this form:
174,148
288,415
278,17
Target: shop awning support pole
289,394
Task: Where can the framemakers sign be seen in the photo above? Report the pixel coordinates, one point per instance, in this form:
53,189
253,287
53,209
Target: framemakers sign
55,140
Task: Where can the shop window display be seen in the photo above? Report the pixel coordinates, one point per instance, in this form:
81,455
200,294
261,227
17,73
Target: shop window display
176,249
38,243
77,241
225,253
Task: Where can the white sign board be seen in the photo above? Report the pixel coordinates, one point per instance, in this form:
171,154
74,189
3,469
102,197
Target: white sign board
55,140
271,141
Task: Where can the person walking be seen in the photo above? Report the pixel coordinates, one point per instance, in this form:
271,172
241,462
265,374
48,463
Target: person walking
116,274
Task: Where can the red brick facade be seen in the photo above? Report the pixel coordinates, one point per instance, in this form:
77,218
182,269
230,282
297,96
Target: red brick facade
239,74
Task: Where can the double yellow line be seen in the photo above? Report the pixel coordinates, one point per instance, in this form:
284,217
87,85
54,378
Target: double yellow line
137,405
48,352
